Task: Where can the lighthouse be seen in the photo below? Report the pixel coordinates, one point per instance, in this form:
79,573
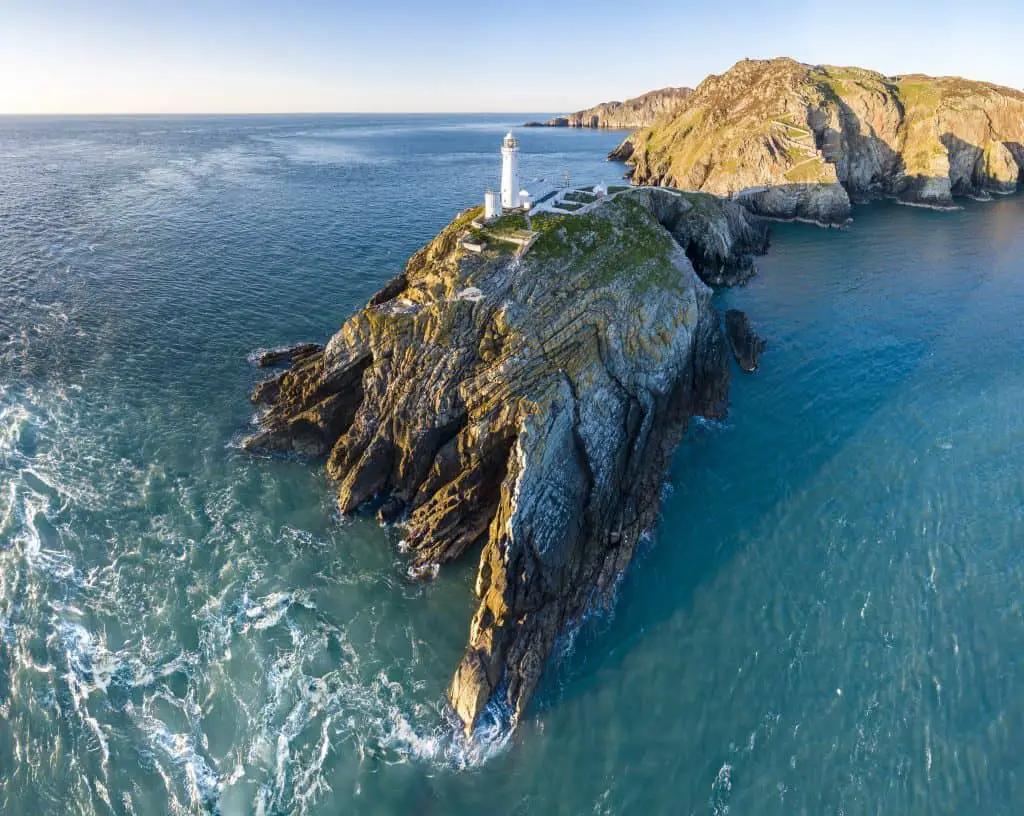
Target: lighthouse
510,172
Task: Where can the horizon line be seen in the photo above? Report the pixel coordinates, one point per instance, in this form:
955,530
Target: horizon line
278,113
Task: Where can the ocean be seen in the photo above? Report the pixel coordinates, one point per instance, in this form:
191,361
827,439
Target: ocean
828,619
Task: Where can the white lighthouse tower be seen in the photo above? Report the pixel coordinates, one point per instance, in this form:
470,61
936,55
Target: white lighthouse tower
510,172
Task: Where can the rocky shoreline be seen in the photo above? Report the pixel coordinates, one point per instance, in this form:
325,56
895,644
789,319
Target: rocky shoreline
530,404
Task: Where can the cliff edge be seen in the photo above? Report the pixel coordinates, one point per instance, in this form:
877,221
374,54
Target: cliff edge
800,141
529,403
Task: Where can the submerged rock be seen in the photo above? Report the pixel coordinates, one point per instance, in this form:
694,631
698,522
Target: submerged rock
744,341
801,141
283,356
536,417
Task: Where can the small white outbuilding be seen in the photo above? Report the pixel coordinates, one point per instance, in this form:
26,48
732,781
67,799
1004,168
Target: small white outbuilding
492,205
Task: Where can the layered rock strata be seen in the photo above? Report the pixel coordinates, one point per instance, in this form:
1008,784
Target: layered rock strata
800,141
525,404
639,112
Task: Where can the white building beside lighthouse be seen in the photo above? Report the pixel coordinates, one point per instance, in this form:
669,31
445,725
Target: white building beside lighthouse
510,172
492,205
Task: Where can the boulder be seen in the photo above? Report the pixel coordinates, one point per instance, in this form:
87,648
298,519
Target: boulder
287,356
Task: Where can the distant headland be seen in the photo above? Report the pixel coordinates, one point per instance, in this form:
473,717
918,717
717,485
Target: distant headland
639,112
800,141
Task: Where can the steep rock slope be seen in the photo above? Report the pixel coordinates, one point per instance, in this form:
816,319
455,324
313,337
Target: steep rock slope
799,141
530,403
639,112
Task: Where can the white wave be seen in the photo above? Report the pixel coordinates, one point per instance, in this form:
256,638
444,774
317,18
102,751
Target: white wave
446,744
91,667
90,662
7,503
203,786
272,609
720,790
57,565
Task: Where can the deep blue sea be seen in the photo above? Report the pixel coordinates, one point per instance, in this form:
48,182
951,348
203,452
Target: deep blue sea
828,620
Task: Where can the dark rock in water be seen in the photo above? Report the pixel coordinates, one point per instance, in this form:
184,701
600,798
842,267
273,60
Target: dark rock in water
530,403
746,345
390,510
623,153
291,355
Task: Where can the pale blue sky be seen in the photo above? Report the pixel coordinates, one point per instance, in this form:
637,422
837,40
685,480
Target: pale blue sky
230,56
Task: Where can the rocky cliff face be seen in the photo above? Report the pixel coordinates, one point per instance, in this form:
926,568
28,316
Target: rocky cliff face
526,403
800,141
639,112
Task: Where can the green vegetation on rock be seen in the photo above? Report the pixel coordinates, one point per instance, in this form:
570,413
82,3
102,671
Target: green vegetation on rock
621,240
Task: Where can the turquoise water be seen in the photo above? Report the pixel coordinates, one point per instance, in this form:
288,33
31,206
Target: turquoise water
829,619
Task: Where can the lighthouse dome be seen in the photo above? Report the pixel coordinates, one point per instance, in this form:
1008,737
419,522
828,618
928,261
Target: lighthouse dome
510,140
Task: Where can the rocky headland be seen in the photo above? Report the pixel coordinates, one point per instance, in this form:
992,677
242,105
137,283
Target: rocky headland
524,402
639,112
791,140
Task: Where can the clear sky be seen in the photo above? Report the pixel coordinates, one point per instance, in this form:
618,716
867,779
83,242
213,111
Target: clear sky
236,56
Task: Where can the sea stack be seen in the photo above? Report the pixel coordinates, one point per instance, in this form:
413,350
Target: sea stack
744,341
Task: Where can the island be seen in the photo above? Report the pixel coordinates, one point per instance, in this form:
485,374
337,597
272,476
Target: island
523,395
638,112
797,141
516,393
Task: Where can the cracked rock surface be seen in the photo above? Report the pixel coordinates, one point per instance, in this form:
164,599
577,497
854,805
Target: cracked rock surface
529,404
